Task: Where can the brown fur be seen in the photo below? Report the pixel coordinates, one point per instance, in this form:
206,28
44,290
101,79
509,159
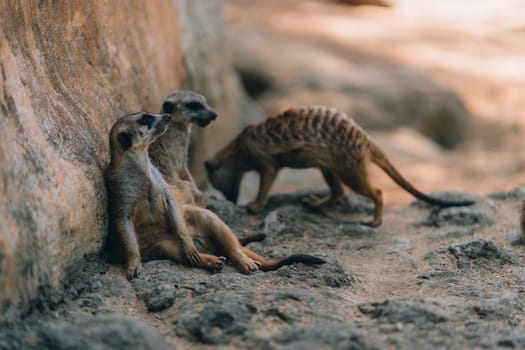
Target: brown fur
143,215
169,152
148,222
310,136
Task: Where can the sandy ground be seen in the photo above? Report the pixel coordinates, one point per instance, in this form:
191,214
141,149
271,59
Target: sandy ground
477,48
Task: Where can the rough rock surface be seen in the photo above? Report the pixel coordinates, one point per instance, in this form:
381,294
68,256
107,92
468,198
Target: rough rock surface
99,332
400,285
67,71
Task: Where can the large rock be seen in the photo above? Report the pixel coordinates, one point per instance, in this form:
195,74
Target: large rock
67,71
99,332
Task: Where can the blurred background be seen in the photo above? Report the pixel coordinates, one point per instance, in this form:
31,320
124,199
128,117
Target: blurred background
439,84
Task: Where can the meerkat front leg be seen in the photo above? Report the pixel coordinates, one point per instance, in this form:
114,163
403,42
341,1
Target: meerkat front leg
199,197
218,236
172,250
267,175
128,237
177,227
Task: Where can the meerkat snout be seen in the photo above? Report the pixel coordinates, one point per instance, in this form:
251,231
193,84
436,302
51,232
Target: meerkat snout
157,122
189,106
204,118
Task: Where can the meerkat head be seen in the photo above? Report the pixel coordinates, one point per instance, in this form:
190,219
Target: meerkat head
134,132
188,107
224,178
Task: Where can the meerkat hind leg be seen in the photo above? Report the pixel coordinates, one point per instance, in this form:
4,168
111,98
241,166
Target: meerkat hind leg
171,250
218,236
336,192
359,182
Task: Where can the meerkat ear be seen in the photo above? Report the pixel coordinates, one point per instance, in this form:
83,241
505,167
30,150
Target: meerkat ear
125,139
169,107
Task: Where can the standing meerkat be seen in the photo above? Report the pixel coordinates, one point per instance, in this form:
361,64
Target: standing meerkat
308,137
148,222
169,152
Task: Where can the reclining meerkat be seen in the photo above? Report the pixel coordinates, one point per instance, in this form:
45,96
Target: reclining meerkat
306,137
169,152
148,222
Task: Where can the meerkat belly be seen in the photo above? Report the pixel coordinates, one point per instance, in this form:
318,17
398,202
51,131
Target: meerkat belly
150,221
305,157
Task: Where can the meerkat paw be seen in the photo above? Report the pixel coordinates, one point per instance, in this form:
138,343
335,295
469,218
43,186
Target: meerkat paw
192,255
219,264
315,202
134,270
201,198
373,223
254,208
249,266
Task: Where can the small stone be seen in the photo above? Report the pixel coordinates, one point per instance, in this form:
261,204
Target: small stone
405,311
503,307
479,248
517,193
460,216
92,301
160,298
274,223
337,336
223,317
99,332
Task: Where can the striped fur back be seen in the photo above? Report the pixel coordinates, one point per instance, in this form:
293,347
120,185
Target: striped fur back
314,126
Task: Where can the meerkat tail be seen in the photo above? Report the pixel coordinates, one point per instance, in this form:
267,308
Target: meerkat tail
267,265
293,259
252,238
379,158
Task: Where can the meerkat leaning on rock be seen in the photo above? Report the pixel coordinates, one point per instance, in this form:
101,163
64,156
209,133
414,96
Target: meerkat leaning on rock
310,136
148,222
169,152
143,214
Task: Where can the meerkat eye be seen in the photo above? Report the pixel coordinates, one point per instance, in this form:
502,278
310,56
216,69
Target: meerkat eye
125,138
194,106
146,120
169,107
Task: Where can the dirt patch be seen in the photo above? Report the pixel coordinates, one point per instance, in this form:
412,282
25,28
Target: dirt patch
401,285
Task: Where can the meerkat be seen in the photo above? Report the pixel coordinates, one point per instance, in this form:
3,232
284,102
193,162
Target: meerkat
148,222
169,152
305,137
